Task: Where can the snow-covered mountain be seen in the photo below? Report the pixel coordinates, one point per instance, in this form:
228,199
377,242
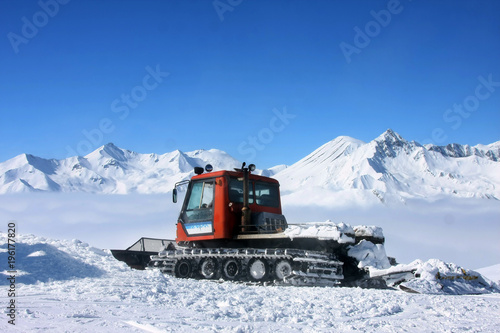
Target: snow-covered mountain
389,167
386,169
108,169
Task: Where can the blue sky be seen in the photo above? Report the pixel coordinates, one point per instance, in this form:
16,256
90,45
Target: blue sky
266,81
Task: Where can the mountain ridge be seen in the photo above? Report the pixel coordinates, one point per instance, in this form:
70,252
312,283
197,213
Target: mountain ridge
392,168
387,167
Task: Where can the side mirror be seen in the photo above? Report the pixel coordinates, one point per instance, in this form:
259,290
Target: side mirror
174,195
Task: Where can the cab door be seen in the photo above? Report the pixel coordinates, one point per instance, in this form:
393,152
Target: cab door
197,215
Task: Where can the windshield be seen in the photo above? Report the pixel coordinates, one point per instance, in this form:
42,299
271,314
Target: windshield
200,204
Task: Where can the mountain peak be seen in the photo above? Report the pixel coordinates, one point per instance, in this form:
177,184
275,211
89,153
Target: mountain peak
112,151
348,140
390,142
390,136
110,145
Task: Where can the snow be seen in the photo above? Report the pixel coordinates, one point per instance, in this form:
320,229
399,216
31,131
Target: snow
463,231
108,296
432,202
341,232
391,170
491,272
386,170
108,169
370,255
368,231
321,230
439,277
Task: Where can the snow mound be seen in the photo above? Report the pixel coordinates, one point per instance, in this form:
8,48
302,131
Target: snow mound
42,260
368,231
370,255
438,277
341,232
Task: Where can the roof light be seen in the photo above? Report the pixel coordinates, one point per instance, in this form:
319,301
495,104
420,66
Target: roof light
198,170
209,168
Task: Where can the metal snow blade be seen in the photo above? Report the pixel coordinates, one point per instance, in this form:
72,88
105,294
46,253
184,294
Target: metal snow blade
435,277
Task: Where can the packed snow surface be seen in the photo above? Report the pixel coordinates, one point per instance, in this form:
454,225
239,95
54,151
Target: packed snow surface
104,295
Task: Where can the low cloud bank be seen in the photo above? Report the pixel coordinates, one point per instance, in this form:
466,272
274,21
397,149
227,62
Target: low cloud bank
463,231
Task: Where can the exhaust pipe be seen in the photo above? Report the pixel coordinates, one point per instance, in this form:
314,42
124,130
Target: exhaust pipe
246,213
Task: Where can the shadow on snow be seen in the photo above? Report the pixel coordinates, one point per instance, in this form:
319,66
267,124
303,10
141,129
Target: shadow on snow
44,263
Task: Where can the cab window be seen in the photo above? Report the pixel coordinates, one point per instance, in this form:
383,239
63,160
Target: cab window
236,191
200,204
266,194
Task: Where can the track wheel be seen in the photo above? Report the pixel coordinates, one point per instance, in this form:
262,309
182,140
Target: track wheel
208,268
231,269
258,269
184,268
282,269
